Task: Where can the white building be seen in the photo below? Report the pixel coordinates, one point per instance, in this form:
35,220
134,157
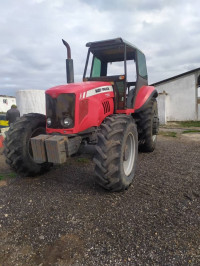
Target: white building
6,102
179,97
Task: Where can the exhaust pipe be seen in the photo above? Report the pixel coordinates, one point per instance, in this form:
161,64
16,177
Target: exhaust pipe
69,64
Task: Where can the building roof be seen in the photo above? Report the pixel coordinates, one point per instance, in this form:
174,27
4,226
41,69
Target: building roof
177,76
7,96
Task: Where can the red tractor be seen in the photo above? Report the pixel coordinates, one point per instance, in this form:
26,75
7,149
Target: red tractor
113,108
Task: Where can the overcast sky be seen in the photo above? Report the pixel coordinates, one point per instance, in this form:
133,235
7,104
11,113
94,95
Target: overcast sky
32,55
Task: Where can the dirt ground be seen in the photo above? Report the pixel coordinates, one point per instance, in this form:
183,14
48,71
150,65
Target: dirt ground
64,218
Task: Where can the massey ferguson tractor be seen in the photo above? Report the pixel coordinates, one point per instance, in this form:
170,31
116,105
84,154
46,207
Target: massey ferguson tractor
113,108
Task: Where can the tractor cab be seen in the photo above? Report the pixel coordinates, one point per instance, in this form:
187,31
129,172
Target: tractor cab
120,63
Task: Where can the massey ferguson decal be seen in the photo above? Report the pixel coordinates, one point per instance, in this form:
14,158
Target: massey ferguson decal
102,89
98,91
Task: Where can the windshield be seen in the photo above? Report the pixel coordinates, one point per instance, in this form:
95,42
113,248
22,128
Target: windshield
97,68
115,64
105,62
110,61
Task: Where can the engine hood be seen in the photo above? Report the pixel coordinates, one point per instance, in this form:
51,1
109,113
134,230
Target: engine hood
76,87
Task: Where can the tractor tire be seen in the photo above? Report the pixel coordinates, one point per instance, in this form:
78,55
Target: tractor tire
148,124
116,153
17,146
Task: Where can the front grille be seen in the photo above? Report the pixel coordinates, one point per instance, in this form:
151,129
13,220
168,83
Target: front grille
60,108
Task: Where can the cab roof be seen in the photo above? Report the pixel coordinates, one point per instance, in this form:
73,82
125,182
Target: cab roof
113,50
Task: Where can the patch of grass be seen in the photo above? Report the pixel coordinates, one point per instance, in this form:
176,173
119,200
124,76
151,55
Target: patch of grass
189,123
168,134
12,175
2,177
9,175
190,131
83,160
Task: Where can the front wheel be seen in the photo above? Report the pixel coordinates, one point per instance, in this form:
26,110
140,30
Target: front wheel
17,145
116,153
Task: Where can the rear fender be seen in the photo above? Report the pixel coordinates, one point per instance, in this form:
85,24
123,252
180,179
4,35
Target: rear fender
145,94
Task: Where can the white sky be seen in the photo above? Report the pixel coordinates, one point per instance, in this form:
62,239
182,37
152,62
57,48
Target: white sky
33,56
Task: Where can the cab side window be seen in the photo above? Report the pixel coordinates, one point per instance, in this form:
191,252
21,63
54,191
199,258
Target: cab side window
142,65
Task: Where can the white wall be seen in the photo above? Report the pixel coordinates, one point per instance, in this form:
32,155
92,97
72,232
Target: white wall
4,107
181,98
162,98
31,101
199,112
198,92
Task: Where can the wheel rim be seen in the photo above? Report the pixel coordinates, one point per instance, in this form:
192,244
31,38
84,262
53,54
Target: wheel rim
154,137
129,154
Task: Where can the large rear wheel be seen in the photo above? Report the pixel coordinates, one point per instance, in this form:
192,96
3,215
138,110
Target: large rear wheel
17,145
116,153
148,124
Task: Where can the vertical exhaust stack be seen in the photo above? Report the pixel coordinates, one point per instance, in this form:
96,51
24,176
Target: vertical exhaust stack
69,64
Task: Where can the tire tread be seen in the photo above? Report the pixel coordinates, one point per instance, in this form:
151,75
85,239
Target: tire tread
107,157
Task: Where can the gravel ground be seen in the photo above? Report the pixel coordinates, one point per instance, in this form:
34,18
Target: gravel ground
63,218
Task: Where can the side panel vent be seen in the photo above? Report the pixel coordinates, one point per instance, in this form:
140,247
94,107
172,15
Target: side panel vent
83,109
106,107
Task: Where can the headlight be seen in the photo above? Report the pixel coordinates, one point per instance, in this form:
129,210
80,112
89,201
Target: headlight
48,121
67,122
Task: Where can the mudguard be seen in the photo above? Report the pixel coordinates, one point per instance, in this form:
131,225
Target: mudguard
145,94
